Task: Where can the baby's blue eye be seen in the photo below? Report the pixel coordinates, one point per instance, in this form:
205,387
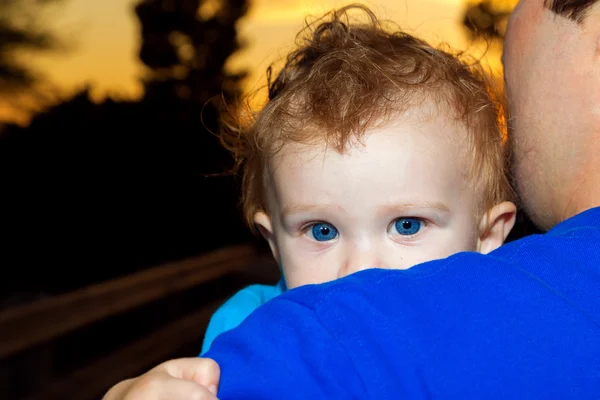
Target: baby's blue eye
323,232
408,226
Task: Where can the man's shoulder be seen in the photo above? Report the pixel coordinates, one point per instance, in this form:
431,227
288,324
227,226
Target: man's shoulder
377,282
552,276
522,321
448,321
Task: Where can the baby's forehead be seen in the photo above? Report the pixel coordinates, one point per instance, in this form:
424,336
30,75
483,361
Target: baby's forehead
402,145
387,169
449,132
418,142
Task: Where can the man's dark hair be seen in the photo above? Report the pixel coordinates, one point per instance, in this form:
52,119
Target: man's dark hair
575,10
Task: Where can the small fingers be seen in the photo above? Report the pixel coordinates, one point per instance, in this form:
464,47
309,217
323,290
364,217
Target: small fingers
161,386
208,374
204,371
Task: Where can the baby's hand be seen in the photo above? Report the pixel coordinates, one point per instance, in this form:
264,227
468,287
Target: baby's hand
182,378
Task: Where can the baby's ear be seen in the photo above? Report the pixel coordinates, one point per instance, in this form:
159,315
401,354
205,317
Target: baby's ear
265,227
495,225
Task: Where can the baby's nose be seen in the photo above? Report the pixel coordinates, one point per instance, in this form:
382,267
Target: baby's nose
359,260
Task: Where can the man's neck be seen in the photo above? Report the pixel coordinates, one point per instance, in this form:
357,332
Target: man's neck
584,193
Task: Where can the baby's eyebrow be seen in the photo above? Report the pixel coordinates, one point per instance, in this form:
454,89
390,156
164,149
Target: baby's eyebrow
393,207
402,207
306,208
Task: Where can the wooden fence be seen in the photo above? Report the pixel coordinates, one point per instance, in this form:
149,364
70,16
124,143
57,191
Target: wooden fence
32,325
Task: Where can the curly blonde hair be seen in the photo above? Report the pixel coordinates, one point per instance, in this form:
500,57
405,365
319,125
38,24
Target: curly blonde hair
348,76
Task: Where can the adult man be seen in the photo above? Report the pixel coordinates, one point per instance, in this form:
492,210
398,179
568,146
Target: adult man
523,322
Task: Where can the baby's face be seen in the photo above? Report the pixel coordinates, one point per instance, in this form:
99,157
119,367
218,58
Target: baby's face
401,198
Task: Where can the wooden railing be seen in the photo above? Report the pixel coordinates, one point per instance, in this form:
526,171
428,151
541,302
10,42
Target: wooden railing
93,380
27,326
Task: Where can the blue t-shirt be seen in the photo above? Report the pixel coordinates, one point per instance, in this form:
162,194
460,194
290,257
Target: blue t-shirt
522,322
237,308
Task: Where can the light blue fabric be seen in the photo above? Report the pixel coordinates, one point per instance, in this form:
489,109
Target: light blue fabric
237,308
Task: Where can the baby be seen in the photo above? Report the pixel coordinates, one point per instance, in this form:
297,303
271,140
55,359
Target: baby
374,150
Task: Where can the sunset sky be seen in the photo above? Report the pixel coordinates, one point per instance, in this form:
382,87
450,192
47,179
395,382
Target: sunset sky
104,37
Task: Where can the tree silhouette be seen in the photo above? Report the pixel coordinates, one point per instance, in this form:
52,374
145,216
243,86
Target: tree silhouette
487,19
20,30
185,44
103,189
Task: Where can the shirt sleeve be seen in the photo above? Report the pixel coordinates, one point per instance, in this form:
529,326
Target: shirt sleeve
283,351
236,309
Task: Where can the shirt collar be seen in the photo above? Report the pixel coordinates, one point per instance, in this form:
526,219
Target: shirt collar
586,219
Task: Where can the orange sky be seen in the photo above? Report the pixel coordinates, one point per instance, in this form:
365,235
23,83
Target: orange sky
105,40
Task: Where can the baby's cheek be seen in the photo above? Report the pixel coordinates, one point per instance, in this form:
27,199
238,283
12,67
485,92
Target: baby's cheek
433,250
459,243
404,257
303,270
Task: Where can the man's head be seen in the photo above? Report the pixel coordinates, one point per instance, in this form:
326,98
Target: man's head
369,135
552,72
